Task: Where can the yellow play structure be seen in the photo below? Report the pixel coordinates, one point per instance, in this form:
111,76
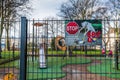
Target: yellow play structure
9,76
57,40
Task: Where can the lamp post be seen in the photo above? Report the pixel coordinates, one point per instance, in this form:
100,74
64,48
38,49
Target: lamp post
42,47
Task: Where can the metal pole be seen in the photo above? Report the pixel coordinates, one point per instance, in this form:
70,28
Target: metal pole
116,54
47,41
23,49
33,44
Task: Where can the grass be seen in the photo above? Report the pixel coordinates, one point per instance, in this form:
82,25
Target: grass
90,52
53,70
56,52
105,69
54,67
11,64
7,55
55,64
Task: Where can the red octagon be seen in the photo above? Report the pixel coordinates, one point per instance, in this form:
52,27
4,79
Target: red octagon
72,28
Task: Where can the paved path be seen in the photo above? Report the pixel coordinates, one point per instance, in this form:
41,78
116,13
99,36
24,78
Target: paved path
80,72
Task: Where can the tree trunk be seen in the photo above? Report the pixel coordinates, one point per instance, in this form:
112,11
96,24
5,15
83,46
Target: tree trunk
70,51
0,49
7,42
1,31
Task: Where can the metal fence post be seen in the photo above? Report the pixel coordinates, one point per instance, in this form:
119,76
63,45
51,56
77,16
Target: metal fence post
23,49
116,55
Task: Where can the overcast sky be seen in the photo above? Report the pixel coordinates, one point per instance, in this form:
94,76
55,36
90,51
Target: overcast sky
45,8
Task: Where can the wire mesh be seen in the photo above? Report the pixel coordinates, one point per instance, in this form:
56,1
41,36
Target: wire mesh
57,63
82,63
10,50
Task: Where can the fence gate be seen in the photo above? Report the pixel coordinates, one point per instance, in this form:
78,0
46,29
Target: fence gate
60,50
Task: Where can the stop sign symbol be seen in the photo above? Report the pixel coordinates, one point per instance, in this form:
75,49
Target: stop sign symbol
72,28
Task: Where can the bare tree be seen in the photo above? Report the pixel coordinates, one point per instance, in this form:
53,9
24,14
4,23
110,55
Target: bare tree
80,9
55,28
9,12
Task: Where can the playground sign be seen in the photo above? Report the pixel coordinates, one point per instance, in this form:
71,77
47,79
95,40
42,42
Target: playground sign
83,32
72,28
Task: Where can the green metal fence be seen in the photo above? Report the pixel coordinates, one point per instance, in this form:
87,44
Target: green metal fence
10,50
38,51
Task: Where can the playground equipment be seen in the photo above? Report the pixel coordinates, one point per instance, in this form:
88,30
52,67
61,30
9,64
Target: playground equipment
42,61
110,53
9,76
60,43
103,51
39,24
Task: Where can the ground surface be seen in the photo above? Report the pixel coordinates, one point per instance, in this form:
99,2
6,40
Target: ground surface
80,72
73,71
